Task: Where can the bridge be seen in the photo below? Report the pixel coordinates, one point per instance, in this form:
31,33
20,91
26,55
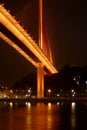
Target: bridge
14,34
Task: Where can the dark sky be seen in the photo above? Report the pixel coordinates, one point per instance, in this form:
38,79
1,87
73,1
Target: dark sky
66,22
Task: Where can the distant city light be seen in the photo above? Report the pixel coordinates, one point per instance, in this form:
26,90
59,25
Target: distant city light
77,82
86,82
73,95
49,90
11,91
57,95
58,103
26,103
27,95
29,90
72,90
74,78
16,96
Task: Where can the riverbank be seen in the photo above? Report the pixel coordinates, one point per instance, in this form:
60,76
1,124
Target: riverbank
44,100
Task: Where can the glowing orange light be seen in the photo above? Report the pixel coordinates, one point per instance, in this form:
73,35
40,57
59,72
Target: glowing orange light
17,48
12,25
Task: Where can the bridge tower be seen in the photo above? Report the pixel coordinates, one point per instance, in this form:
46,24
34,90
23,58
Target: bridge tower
45,46
40,68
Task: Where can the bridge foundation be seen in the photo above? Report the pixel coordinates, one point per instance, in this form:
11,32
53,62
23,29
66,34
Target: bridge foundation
40,80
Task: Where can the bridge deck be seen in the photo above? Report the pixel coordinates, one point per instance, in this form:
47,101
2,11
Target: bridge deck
10,24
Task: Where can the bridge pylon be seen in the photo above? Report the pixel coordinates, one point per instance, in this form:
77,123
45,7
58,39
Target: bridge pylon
40,80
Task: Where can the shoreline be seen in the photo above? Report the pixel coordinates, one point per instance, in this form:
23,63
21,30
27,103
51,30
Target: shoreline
44,100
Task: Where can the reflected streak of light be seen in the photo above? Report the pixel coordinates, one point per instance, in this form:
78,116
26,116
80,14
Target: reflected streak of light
29,105
73,106
73,118
49,105
28,117
49,118
5,103
16,103
11,104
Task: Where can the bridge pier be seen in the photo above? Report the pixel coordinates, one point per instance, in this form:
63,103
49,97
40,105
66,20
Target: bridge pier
40,80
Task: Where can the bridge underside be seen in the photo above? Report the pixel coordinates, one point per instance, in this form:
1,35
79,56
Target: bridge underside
8,37
16,36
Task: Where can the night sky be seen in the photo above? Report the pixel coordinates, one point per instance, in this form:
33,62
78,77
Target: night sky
66,22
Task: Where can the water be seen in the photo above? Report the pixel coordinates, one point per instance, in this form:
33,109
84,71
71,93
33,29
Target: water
60,116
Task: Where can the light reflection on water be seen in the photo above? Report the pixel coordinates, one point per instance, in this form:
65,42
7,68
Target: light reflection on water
40,116
73,118
11,104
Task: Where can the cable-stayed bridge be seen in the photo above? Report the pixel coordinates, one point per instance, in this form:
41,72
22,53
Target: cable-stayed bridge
14,34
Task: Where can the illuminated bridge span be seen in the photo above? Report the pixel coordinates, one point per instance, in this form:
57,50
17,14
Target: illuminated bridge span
17,37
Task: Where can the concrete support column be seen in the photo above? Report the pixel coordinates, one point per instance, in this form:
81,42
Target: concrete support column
40,80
